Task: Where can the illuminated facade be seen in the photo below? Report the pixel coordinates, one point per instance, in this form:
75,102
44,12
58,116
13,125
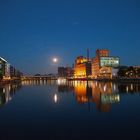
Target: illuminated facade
82,67
2,67
109,61
96,61
7,71
104,66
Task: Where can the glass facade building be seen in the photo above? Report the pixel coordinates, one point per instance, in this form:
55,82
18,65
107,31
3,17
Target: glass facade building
109,61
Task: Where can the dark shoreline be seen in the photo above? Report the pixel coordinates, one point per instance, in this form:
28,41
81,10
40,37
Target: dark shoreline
108,80
81,79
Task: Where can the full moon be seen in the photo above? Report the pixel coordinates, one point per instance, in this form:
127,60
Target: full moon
55,60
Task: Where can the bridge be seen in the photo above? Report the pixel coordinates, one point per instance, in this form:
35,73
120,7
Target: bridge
39,78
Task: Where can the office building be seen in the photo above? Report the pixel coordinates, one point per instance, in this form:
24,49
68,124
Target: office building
103,65
2,67
65,72
82,68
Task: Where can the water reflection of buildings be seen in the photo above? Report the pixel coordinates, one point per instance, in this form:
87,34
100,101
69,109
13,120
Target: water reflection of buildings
38,82
7,92
129,88
101,94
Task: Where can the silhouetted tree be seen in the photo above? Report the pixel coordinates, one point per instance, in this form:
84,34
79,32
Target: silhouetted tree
122,72
138,72
1,76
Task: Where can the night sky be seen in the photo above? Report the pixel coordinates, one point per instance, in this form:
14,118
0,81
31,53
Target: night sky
32,32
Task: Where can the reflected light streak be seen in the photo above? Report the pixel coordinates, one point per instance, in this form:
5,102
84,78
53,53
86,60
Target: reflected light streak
105,87
114,87
131,86
55,98
127,89
61,81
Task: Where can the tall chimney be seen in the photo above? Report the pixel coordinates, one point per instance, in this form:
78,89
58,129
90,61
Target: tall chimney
88,54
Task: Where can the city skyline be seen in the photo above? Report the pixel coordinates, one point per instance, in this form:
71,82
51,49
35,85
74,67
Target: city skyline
32,33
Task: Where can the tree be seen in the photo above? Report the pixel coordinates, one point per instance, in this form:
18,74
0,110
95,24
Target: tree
131,72
122,72
138,72
1,76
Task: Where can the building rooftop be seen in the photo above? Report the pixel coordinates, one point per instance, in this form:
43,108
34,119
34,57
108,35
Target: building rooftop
3,59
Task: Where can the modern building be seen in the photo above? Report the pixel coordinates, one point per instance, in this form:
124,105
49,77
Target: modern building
61,72
65,71
82,68
2,67
7,71
103,65
96,61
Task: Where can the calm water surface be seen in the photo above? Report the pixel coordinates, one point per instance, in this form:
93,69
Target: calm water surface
59,110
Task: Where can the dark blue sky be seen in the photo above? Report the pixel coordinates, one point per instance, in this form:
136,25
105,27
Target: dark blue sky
33,31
